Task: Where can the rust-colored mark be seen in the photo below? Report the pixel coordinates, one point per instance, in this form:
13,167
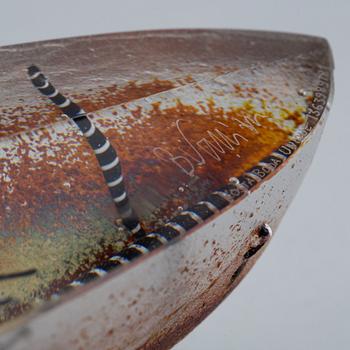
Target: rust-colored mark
13,120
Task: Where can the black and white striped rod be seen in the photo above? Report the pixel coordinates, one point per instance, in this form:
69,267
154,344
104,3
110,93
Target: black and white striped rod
177,227
104,151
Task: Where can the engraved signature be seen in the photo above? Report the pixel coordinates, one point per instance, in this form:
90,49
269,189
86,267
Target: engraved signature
214,144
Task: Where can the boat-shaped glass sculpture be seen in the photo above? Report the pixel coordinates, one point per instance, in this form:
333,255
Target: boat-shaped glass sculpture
143,173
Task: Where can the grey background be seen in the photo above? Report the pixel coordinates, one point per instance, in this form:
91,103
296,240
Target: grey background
297,296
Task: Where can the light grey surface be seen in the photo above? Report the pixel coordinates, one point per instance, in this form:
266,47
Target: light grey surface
297,296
